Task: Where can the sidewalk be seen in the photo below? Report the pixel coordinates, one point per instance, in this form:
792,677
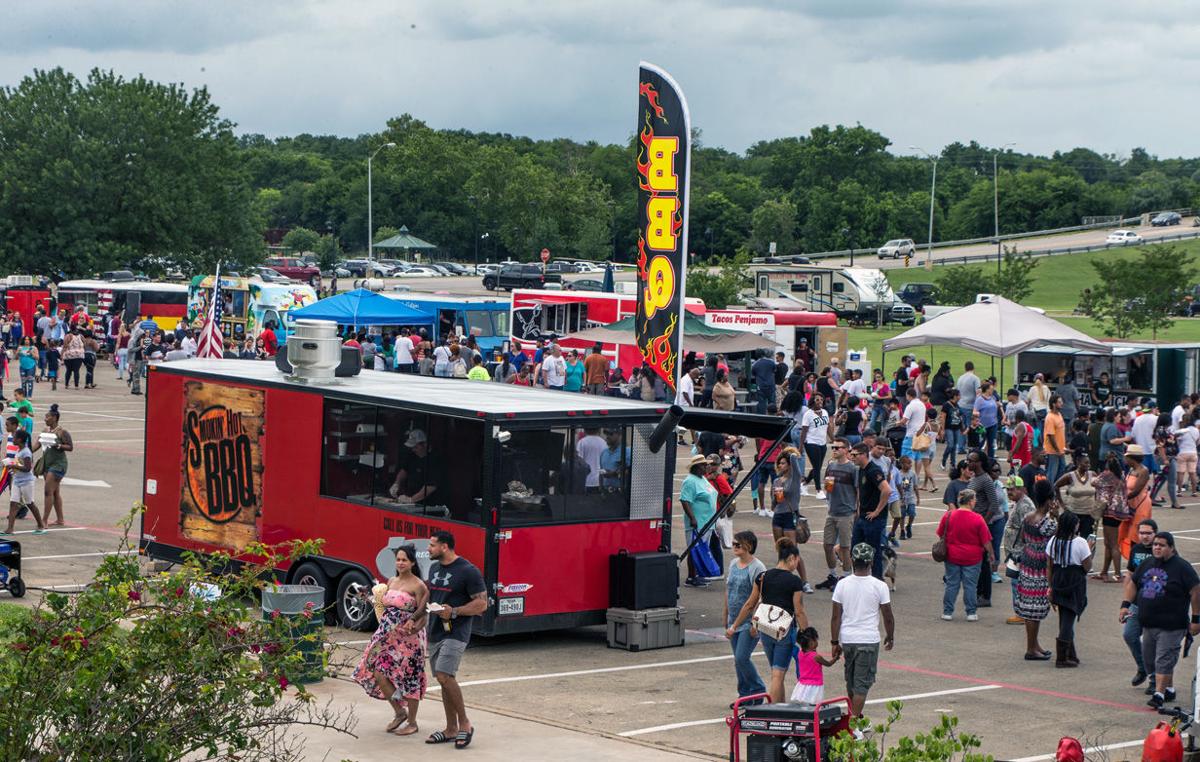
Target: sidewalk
497,736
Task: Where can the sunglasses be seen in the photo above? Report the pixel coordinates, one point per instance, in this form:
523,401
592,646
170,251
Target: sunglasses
837,447
737,545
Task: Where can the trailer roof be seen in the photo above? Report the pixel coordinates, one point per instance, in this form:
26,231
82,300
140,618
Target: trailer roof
454,396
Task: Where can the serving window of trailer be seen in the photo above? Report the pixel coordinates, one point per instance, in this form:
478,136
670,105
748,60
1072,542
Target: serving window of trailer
402,460
579,474
565,318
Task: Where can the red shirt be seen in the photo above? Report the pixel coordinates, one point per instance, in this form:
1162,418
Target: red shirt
719,481
270,343
763,444
1024,451
966,535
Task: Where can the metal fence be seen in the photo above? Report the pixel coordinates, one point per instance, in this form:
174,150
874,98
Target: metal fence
1069,249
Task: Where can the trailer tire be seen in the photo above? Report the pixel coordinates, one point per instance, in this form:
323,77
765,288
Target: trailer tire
355,610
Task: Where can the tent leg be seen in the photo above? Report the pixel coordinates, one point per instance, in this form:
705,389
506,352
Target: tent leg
994,368
1001,381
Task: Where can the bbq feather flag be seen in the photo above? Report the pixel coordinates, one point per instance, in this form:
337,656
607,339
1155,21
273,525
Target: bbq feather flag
212,341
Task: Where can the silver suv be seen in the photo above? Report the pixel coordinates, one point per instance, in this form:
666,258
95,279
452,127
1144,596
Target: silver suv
896,248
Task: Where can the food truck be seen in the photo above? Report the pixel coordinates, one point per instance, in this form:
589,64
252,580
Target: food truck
239,452
164,303
1163,371
23,294
249,304
541,314
484,317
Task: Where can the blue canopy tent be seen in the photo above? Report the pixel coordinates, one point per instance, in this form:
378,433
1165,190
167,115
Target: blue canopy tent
362,307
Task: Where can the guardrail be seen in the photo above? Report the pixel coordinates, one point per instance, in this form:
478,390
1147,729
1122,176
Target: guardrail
1067,249
1116,222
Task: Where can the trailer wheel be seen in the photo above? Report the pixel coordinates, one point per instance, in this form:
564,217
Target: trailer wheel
355,609
17,587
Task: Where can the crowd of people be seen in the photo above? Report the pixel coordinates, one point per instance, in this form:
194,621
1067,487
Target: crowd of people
1027,486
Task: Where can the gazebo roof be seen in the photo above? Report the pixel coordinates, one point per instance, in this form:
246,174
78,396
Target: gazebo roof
405,240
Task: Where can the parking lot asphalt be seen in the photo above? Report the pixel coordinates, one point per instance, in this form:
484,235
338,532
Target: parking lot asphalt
550,684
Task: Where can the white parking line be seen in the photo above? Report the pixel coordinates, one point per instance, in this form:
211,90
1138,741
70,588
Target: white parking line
75,555
910,697
102,415
1089,750
109,441
52,529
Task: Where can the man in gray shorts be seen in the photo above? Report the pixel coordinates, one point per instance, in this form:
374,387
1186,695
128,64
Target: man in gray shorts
843,504
1163,587
858,603
458,590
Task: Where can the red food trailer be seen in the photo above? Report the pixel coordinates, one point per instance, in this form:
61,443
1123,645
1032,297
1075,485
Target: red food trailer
540,314
24,294
238,452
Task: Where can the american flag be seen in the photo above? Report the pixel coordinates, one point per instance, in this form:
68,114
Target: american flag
212,342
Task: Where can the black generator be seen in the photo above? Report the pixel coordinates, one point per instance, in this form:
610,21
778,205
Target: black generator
786,732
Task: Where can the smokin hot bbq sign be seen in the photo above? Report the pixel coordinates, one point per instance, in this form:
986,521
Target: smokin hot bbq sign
663,168
222,463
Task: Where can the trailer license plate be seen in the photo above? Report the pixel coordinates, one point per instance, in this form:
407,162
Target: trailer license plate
512,606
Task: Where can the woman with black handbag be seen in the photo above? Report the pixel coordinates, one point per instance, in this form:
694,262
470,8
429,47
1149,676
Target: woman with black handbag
775,610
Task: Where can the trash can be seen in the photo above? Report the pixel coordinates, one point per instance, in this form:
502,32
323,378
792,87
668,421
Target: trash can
290,602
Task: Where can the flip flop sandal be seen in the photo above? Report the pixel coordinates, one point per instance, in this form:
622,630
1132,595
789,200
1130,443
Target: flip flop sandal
407,731
463,739
439,737
397,721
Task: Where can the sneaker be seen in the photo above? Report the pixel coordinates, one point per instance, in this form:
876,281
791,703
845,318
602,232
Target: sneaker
1169,696
947,617
972,617
696,582
829,583
1138,679
820,495
985,603
1156,701
807,588
996,578
893,541
908,533
805,493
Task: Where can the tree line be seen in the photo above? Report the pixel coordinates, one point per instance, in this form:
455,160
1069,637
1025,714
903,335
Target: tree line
107,171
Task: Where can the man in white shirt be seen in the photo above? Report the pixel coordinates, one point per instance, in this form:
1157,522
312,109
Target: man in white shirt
1185,404
589,449
968,386
404,358
859,602
687,388
1143,435
188,344
554,369
856,386
913,420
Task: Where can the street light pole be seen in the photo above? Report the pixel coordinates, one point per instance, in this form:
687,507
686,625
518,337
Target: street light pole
475,228
996,201
370,222
932,196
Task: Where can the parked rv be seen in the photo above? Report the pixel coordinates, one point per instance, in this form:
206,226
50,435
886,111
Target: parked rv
852,293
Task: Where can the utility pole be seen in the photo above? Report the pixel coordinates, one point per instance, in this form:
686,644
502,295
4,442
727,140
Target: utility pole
932,196
996,201
475,229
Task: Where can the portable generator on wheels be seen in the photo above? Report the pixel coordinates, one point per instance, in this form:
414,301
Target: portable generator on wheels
785,732
10,568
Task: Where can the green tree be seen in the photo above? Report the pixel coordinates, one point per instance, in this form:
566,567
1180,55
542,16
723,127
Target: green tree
301,240
957,286
774,221
1136,294
328,251
943,743
113,172
138,667
720,283
1015,279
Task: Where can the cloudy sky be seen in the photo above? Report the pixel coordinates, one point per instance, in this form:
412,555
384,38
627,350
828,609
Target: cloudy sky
1046,76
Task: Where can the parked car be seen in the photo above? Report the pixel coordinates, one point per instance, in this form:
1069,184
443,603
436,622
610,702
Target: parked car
362,268
584,284
397,265
487,267
296,269
918,294
520,276
588,267
267,275
896,248
1166,218
419,271
454,268
562,267
1123,237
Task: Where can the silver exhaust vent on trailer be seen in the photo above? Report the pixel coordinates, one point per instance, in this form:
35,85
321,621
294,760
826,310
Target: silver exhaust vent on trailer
314,350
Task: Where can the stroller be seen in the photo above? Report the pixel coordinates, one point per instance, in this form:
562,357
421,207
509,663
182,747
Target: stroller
10,568
895,437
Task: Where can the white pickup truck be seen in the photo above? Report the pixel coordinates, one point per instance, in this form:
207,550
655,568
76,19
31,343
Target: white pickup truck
931,311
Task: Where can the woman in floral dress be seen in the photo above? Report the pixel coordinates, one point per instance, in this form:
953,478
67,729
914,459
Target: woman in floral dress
1033,587
393,666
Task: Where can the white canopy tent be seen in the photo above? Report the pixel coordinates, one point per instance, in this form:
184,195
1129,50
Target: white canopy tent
998,327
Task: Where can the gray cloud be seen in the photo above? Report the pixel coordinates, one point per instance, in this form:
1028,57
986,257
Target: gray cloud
923,72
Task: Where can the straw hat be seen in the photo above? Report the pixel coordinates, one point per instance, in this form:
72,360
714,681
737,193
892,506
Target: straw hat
1134,449
697,460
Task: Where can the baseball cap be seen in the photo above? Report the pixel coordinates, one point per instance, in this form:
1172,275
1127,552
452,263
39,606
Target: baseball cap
862,552
1014,481
415,437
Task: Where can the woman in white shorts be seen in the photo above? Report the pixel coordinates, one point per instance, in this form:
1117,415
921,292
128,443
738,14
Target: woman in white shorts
23,481
1187,436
